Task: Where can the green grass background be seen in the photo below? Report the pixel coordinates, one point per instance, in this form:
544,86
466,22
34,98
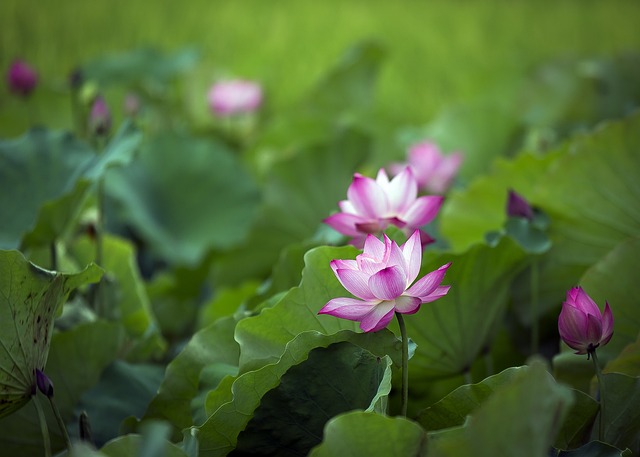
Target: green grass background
439,52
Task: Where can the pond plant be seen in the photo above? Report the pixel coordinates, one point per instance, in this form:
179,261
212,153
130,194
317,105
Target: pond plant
184,286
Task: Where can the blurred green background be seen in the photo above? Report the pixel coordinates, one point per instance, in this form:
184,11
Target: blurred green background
438,52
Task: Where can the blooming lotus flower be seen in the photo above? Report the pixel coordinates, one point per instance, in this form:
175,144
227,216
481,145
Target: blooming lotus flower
517,206
581,325
433,170
235,96
373,205
22,79
381,279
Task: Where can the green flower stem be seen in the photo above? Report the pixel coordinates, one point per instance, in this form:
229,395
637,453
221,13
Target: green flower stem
535,325
63,427
54,255
43,427
602,396
100,222
405,364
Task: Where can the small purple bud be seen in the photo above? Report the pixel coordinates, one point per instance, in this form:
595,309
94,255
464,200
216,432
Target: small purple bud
22,79
100,117
517,206
44,383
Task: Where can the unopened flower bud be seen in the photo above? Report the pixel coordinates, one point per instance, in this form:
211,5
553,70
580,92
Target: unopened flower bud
100,117
44,383
517,206
22,79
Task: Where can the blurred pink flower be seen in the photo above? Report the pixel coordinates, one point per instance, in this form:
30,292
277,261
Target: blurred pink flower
517,206
381,279
22,79
581,325
433,170
132,104
373,205
99,117
235,96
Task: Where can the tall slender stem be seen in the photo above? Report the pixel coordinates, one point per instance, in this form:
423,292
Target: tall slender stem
602,395
63,427
43,427
535,327
54,255
405,364
99,221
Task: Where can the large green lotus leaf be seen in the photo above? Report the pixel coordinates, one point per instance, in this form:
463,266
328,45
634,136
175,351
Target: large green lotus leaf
592,197
124,390
621,412
141,446
452,331
359,433
595,449
339,378
40,167
29,300
211,345
567,95
176,294
226,302
142,66
118,152
128,446
468,214
230,412
76,360
614,279
47,175
134,309
182,196
262,338
298,193
453,410
628,362
520,418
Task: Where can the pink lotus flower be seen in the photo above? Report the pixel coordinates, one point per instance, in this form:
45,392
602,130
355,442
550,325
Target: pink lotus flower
433,170
22,79
373,205
581,325
381,279
235,96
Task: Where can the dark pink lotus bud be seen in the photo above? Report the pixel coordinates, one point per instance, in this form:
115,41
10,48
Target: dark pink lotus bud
100,117
22,79
517,206
44,383
581,324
